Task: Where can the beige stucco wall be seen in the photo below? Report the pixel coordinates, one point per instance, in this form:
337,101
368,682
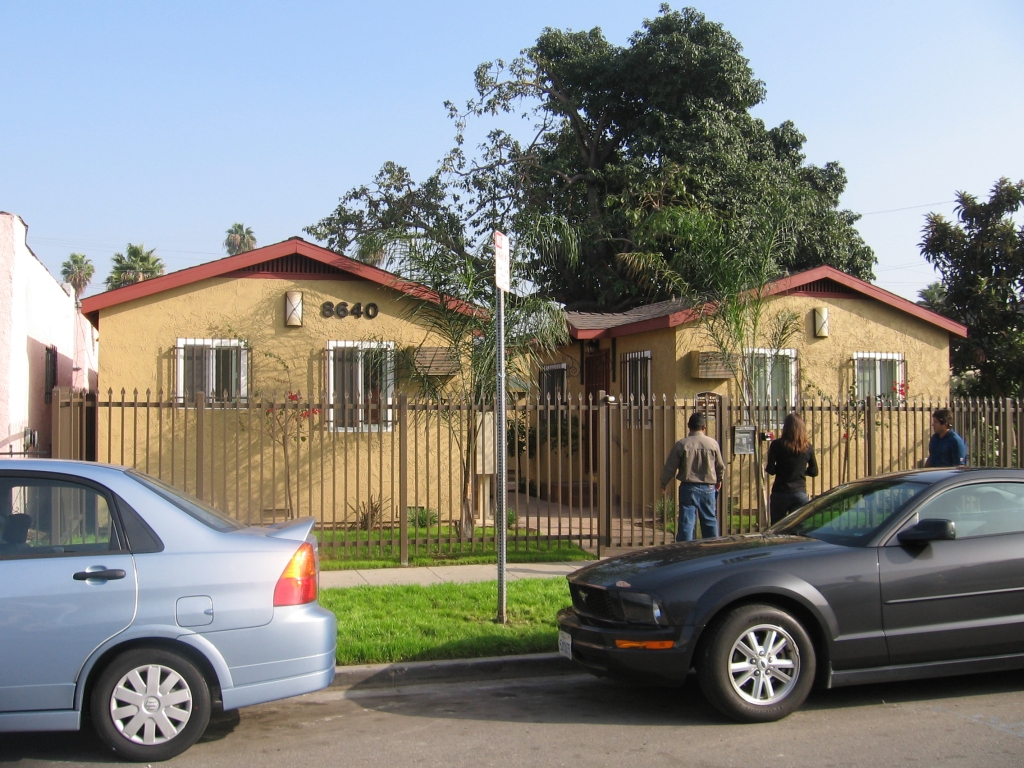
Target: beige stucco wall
332,474
139,336
826,368
825,364
825,371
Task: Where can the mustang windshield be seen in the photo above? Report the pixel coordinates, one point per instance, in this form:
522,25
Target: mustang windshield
850,514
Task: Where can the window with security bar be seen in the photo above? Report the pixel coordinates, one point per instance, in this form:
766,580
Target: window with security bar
636,381
216,368
551,383
774,377
882,375
774,383
361,383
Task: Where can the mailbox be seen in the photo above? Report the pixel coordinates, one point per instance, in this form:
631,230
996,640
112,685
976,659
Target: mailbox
743,440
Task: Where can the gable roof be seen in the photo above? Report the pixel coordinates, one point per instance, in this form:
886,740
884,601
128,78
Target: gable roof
824,282
291,258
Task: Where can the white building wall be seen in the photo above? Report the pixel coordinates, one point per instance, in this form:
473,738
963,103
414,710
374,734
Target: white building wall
36,312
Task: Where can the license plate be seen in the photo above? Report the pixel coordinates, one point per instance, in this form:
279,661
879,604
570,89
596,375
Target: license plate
565,644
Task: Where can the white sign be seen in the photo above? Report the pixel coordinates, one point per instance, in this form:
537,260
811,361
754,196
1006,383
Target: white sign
501,268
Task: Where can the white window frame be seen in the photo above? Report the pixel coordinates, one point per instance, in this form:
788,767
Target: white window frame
387,395
767,354
211,366
878,358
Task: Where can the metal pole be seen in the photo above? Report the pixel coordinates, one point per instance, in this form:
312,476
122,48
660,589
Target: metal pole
501,494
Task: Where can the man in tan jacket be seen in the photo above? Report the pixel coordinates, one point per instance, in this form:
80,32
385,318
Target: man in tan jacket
697,461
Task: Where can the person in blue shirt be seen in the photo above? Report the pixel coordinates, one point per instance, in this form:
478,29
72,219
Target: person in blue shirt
946,448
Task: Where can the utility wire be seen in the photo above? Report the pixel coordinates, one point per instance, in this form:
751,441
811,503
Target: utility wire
908,208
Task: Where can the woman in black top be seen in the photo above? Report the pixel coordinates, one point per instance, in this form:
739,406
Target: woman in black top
791,460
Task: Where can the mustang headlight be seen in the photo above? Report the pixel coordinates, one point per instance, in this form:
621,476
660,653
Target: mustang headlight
638,608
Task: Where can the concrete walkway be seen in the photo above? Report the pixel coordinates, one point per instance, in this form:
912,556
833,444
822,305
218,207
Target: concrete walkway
460,574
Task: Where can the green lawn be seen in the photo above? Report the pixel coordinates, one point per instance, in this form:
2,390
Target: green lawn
374,553
444,621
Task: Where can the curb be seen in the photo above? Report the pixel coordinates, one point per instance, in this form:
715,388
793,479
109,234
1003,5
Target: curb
451,671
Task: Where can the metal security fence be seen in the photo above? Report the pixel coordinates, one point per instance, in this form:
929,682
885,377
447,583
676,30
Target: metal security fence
408,477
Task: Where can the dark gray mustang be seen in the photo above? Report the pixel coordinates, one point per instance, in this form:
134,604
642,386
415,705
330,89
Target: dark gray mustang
904,576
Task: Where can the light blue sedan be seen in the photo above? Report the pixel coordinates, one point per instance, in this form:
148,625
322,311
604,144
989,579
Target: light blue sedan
125,598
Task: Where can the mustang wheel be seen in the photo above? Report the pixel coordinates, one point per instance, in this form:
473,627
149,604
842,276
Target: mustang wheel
150,704
758,664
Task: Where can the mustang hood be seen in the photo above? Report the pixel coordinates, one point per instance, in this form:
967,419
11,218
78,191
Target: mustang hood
721,551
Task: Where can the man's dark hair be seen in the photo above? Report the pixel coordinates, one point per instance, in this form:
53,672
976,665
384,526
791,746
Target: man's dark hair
943,416
696,422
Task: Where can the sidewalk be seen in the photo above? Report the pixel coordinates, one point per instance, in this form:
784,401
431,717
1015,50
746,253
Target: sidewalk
460,574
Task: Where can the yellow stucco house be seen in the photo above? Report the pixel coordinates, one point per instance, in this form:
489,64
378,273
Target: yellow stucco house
855,338
289,317
266,383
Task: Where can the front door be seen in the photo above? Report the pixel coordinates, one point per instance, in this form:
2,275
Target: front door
54,532
962,598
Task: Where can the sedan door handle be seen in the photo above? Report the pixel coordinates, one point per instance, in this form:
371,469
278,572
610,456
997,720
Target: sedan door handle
109,574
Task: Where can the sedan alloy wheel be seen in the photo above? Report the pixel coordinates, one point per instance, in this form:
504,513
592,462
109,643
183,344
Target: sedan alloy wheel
757,663
764,664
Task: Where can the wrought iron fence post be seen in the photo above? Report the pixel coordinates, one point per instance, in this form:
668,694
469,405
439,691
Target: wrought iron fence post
870,411
200,440
56,442
603,521
403,477
1007,442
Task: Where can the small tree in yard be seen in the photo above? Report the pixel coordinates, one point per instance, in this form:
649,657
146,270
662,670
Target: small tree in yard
740,259
464,320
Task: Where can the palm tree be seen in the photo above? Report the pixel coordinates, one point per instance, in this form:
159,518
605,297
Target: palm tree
78,271
134,265
240,239
933,297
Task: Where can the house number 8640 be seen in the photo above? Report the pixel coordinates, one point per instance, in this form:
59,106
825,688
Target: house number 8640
342,309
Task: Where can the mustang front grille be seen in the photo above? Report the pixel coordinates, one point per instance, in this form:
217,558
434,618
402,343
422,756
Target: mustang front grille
596,602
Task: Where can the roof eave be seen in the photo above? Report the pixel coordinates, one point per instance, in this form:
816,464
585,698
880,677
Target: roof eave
92,305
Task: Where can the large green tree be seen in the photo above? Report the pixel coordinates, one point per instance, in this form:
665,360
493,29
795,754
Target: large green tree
133,266
981,259
77,270
620,134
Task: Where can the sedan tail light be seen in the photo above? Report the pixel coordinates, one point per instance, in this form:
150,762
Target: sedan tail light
297,584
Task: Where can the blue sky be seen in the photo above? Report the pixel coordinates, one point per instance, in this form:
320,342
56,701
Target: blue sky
166,123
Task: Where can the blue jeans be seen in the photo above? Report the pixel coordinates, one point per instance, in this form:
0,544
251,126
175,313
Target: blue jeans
696,499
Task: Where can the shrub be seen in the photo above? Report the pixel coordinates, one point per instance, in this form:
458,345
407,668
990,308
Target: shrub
422,517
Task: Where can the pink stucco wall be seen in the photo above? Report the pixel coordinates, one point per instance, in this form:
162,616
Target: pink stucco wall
36,312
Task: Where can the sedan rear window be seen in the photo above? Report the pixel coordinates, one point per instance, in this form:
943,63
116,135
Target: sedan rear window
851,514
188,504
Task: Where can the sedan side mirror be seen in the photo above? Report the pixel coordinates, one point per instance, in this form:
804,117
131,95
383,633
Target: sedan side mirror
928,530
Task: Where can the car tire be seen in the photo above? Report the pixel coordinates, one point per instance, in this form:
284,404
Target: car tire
150,704
758,664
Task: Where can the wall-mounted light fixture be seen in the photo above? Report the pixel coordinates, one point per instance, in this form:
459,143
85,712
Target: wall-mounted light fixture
293,309
821,322
593,347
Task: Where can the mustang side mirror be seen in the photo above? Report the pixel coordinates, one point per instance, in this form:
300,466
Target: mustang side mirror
928,530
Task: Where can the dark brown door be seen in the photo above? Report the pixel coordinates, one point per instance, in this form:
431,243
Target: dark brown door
598,375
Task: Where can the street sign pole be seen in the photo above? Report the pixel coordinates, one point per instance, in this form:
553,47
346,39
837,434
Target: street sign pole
502,283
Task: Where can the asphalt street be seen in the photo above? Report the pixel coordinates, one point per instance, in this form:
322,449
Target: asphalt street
580,720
